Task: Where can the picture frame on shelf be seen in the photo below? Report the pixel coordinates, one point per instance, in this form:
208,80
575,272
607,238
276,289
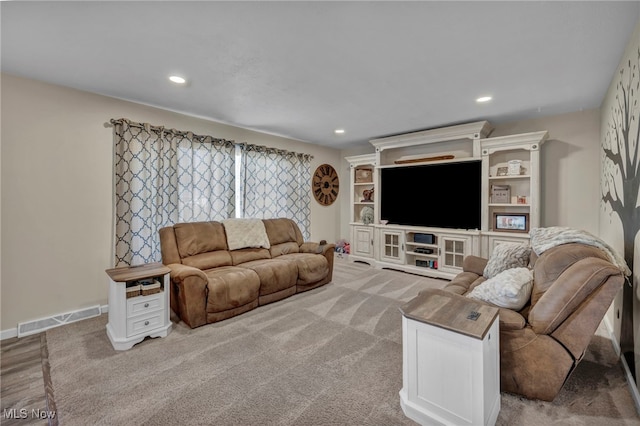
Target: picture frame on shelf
514,168
502,171
364,175
511,222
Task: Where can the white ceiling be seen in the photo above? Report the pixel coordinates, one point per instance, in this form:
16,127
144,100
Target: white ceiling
303,69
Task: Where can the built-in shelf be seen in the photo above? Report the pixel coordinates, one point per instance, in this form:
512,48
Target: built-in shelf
363,175
389,245
509,177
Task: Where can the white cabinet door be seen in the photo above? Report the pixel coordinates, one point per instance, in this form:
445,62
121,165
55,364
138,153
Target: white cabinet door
494,240
453,249
362,241
450,378
392,246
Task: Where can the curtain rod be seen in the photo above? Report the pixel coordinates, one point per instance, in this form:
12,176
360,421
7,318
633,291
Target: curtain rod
268,150
250,147
153,128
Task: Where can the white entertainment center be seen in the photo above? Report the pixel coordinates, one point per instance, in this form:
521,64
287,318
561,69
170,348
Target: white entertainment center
510,197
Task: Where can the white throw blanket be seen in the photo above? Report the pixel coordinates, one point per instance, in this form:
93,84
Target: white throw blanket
543,239
243,233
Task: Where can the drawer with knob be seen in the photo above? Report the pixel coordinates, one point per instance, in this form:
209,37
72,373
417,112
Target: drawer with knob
144,323
142,304
138,304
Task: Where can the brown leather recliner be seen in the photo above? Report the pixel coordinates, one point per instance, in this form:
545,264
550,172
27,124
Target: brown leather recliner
210,282
574,285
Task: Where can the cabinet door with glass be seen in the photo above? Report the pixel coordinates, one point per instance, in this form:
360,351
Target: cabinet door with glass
392,246
453,250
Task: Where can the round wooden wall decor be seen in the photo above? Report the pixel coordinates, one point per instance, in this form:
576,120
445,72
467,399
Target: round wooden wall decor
325,185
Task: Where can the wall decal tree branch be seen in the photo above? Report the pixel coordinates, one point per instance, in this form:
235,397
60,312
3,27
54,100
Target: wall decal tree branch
620,186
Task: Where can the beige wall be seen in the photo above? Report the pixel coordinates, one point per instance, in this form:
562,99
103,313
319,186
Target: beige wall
570,163
570,159
56,207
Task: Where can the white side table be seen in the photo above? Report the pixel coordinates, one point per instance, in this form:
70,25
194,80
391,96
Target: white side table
451,362
131,319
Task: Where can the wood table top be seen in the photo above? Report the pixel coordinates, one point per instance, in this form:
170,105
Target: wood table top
138,272
451,312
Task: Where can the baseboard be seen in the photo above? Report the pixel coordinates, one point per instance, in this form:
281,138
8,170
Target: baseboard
54,321
8,334
632,386
635,395
612,336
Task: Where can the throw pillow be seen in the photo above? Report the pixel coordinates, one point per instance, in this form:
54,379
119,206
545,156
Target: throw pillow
509,289
506,256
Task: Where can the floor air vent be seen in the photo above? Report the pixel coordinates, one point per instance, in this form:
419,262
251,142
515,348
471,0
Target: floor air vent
39,325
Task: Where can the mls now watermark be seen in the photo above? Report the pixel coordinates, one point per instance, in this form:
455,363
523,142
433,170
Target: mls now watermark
23,413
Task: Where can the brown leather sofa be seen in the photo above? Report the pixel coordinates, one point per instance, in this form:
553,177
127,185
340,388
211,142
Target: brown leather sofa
211,283
574,285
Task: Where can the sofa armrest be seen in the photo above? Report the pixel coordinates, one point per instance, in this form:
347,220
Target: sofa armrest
180,272
320,248
189,294
324,249
474,264
510,320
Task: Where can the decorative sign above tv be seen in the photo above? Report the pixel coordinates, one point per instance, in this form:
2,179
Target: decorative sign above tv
445,195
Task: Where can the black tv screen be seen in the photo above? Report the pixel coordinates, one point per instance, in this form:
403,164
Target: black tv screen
444,195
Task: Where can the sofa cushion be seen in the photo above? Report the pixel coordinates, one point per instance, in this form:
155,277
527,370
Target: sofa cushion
576,284
284,248
231,287
506,256
282,230
553,262
509,289
311,267
275,274
212,259
199,237
248,254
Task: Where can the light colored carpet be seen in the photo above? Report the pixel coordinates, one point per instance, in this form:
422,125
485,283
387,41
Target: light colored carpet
330,356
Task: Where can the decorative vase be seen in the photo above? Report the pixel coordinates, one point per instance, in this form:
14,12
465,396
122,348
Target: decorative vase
366,215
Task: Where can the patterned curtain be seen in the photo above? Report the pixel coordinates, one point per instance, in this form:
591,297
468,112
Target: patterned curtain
276,183
163,177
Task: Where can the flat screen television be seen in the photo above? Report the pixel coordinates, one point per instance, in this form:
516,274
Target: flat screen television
442,195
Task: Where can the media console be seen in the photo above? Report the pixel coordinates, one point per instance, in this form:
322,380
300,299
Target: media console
436,244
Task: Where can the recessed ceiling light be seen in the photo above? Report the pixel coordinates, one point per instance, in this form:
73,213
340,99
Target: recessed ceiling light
177,79
483,99
338,131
